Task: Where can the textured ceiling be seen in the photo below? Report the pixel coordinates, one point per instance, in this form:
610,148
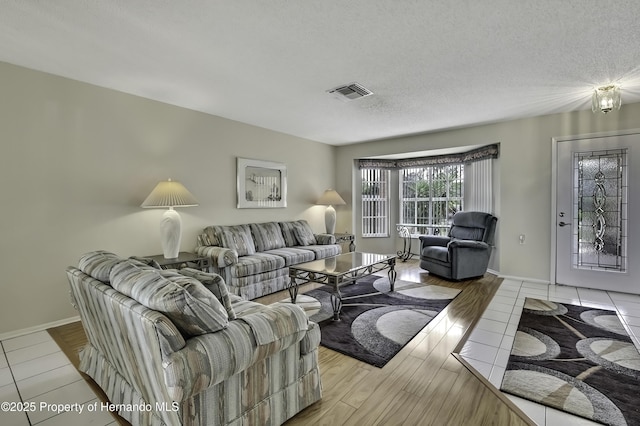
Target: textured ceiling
431,65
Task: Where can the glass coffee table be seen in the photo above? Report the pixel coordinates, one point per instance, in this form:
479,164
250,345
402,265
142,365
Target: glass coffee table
338,271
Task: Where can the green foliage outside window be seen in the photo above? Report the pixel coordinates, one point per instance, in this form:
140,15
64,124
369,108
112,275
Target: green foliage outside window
431,195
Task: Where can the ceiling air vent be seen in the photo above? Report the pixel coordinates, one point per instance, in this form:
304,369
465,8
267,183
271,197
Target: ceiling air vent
350,92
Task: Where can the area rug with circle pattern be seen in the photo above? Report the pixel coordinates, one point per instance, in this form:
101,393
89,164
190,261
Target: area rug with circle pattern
576,359
375,327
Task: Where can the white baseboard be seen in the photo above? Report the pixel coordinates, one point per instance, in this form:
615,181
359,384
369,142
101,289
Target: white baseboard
36,328
515,278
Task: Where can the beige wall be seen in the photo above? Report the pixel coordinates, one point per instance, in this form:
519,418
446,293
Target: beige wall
77,161
523,195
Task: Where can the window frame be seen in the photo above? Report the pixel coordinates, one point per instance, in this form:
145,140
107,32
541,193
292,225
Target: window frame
427,224
379,180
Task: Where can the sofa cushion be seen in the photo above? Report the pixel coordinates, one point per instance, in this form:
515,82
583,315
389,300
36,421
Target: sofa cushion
436,252
289,232
323,251
98,264
293,255
236,238
465,233
256,264
215,284
239,238
263,283
191,307
267,236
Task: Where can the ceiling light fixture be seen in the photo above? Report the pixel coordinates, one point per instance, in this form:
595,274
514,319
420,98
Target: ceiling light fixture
606,98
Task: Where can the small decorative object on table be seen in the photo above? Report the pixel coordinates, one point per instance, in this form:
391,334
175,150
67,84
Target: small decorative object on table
346,238
184,260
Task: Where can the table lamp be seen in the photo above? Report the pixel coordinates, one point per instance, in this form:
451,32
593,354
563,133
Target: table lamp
330,198
170,194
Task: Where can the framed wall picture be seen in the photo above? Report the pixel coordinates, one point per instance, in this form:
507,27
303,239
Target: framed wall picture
261,184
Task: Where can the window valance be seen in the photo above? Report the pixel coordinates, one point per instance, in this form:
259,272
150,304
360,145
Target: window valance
485,152
370,163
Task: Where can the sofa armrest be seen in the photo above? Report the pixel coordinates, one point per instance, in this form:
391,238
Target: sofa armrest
468,258
277,322
325,239
214,357
311,339
220,256
434,240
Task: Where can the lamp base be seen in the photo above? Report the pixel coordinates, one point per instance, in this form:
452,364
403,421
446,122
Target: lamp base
330,219
170,233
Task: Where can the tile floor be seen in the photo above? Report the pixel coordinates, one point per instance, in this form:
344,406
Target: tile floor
33,370
36,375
489,345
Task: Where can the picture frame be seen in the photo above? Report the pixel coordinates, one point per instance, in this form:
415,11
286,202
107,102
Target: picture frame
261,184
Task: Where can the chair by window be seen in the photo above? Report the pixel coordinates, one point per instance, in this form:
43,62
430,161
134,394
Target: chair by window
465,252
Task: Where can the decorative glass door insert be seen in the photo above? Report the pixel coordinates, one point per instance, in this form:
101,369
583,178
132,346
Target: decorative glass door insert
600,210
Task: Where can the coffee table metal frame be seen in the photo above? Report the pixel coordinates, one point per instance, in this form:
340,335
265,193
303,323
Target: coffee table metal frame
338,271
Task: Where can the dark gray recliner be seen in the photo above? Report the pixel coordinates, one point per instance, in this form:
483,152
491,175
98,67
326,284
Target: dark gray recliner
465,252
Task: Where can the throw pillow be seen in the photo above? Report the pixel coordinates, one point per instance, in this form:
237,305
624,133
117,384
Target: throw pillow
146,261
98,264
215,284
204,240
304,234
236,238
185,301
267,236
210,236
288,234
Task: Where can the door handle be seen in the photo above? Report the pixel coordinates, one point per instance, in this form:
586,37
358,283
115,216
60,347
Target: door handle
564,223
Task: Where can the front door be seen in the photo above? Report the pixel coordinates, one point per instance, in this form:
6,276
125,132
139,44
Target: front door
598,226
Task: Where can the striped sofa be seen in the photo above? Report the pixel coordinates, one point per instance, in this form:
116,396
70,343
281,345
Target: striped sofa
254,258
175,348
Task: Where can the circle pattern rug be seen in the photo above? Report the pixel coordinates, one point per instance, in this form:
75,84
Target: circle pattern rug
375,327
575,359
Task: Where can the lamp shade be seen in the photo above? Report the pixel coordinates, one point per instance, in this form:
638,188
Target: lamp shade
170,193
330,198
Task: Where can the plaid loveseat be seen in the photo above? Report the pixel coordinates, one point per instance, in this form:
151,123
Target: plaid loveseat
175,348
254,258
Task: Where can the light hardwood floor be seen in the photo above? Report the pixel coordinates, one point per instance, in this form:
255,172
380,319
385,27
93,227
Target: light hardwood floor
426,383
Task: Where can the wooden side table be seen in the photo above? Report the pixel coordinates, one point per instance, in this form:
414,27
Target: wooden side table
184,260
346,238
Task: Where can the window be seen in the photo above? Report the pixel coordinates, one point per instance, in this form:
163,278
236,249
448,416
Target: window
429,196
375,202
